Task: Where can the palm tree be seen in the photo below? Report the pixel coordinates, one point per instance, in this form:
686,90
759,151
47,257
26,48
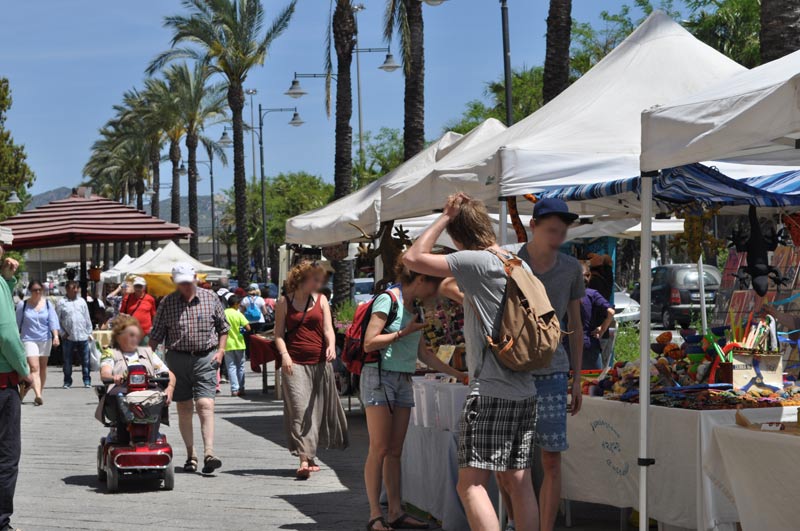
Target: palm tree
198,104
405,17
780,28
556,59
230,35
342,38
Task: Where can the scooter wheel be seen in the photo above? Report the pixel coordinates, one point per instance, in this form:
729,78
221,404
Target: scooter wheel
112,479
101,472
169,477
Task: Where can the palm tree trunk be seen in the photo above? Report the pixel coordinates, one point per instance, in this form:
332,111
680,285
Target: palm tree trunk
175,193
780,28
344,30
236,103
155,168
191,147
139,206
556,60
414,125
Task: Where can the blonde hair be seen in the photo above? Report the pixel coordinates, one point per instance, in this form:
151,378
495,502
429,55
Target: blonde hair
120,324
472,226
302,272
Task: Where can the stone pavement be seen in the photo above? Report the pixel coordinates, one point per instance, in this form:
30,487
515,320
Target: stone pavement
254,490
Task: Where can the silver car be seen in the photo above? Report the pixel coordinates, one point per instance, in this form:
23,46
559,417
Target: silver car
626,309
363,289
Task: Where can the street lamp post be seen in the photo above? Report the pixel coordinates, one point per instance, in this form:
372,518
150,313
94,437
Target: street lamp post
296,121
506,62
210,164
252,92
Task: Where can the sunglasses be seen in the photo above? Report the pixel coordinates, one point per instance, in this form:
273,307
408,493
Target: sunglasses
37,290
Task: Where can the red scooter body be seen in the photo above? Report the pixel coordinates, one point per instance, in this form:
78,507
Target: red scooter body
147,455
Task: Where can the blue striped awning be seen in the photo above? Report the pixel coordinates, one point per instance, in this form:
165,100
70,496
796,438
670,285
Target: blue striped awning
696,183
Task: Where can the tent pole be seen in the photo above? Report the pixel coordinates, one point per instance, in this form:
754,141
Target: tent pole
644,461
83,276
702,284
503,222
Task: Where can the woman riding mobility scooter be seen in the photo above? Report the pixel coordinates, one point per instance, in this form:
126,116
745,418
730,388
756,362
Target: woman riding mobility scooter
134,404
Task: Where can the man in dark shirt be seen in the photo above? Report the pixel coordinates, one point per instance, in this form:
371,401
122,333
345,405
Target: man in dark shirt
191,324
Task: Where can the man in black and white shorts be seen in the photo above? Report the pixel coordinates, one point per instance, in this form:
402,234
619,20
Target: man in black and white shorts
497,425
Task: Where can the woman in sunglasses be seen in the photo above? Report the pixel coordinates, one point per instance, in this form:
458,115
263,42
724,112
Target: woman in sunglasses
38,328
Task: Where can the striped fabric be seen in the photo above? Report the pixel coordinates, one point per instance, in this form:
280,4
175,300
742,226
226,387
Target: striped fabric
696,183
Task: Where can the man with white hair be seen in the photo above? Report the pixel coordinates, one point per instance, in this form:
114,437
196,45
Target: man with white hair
191,324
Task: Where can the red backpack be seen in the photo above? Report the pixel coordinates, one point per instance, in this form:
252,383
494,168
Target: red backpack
353,354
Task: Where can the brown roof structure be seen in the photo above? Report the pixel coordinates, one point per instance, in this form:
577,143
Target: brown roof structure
87,219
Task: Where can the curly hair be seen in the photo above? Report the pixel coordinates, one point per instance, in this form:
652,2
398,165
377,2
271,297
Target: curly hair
120,324
300,273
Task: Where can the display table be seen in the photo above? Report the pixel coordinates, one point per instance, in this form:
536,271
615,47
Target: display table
756,471
600,466
103,337
260,356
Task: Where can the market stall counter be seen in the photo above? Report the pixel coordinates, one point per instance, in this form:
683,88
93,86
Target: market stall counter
601,464
753,469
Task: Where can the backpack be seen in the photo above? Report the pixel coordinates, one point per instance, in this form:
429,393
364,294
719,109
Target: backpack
252,313
529,331
353,355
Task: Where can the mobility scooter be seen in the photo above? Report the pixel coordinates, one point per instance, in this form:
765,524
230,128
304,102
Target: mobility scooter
134,448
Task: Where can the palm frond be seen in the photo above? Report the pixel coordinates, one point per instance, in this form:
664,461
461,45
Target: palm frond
278,26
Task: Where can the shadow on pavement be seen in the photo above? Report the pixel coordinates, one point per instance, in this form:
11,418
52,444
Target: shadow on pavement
267,472
130,485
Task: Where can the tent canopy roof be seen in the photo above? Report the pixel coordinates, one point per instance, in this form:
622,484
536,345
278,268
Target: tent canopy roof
161,261
334,222
87,219
751,117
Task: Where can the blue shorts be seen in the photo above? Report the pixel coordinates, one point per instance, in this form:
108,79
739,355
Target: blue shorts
551,411
392,388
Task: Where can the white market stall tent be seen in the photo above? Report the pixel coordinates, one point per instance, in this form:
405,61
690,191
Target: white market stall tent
334,222
117,274
161,261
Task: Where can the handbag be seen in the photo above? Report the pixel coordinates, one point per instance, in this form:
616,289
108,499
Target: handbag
270,346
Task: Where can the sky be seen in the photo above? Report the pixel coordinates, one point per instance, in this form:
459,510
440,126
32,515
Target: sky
69,62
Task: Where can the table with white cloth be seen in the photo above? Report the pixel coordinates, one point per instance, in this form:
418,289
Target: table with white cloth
430,453
756,470
601,464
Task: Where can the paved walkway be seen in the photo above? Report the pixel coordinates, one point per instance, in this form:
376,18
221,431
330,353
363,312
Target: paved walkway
254,490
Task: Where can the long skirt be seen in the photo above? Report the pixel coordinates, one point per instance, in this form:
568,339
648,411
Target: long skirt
312,413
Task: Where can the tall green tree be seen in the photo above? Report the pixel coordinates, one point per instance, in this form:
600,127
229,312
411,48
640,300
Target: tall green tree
526,95
200,103
556,59
232,35
383,152
730,26
16,175
405,18
780,28
341,39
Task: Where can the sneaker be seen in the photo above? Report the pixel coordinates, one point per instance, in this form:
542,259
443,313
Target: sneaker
66,386
234,393
87,386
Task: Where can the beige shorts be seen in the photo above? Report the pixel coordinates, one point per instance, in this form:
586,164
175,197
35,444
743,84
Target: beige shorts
37,348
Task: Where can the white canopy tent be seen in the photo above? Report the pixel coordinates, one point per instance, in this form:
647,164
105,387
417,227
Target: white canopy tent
334,222
118,273
168,256
624,228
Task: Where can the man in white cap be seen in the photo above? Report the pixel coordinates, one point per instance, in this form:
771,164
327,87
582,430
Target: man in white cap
191,323
140,305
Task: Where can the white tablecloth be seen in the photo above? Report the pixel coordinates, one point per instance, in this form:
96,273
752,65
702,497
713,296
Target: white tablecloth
600,466
757,470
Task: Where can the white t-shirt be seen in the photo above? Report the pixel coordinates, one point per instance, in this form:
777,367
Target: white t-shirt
256,301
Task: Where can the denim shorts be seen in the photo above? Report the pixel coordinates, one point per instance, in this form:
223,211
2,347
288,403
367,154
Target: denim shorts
393,388
551,411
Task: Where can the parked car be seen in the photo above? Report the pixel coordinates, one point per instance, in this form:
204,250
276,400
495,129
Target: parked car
675,293
363,289
626,309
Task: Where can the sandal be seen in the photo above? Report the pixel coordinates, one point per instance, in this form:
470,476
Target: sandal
313,467
210,464
382,521
38,401
404,521
190,465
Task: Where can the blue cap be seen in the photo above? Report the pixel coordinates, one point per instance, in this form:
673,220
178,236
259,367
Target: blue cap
551,206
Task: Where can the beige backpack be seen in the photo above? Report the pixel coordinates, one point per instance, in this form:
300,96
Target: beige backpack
530,331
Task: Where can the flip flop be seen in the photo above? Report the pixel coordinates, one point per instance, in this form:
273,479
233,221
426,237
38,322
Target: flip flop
190,465
408,522
313,467
210,464
303,473
382,520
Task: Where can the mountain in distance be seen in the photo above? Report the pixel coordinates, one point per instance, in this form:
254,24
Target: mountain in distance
203,207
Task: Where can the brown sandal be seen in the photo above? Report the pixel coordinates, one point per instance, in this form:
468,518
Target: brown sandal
190,465
382,520
303,473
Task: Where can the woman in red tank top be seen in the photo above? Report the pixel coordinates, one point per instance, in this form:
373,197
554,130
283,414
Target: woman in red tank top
306,342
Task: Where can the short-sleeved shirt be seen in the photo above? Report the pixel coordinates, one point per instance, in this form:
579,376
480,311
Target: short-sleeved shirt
142,308
73,315
482,279
236,321
400,356
593,304
190,326
563,283
37,325
132,358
